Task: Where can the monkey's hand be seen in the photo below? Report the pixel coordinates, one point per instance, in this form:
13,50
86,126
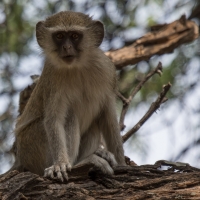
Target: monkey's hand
108,156
58,171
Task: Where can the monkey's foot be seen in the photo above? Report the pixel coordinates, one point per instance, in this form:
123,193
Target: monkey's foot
58,171
108,156
101,164
98,163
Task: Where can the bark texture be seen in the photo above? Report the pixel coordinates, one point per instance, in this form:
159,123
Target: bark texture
180,181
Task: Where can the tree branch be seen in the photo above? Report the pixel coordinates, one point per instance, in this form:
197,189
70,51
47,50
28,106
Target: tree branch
164,40
126,102
179,181
154,106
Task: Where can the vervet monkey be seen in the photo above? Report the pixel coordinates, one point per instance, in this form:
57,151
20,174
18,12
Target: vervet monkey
73,102
101,152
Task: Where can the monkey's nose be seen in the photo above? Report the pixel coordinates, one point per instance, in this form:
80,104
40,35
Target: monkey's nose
65,47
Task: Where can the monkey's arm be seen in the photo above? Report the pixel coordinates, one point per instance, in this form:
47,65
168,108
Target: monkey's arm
111,132
54,123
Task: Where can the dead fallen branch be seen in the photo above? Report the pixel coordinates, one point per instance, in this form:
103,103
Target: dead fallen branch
163,40
180,181
154,106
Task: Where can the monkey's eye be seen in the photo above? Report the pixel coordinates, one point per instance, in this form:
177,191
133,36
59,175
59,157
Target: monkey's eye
74,36
59,36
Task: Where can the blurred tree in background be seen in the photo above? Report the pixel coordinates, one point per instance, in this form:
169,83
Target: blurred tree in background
174,133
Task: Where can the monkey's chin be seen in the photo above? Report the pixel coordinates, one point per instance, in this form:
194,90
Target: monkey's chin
68,59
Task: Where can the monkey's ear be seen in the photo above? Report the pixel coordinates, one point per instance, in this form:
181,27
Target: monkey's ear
99,32
40,33
35,76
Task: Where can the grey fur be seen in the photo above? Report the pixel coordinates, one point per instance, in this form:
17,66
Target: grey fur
72,105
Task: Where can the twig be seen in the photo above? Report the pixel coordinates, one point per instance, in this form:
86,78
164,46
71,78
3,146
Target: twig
154,106
120,96
126,102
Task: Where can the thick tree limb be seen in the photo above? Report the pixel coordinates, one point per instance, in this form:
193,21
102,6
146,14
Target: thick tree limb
180,181
162,41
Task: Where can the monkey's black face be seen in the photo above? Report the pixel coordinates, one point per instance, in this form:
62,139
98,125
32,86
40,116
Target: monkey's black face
67,44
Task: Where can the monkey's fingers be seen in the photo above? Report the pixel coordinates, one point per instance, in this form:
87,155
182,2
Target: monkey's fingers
58,173
48,172
68,167
63,171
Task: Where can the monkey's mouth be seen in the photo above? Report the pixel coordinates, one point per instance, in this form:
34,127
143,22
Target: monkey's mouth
68,58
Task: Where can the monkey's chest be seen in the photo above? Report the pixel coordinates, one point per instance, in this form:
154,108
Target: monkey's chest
87,108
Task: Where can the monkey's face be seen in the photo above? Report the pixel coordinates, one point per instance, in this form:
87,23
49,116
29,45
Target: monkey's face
68,44
68,38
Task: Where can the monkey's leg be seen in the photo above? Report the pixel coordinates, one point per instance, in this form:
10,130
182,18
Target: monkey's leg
32,148
90,151
111,133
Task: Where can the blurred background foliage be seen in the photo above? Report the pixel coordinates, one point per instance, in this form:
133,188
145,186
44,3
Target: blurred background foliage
173,133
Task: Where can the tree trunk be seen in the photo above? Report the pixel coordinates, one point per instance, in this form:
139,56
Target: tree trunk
179,181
